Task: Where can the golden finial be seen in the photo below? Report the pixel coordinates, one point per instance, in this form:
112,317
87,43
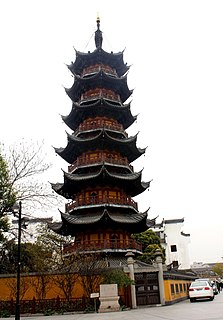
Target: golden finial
98,21
98,34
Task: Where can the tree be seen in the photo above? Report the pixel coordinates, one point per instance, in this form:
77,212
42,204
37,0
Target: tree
117,276
218,269
34,258
150,243
12,285
22,172
90,268
66,282
55,244
41,283
25,163
7,196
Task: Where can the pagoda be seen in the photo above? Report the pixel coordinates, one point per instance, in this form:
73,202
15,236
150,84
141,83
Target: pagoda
100,182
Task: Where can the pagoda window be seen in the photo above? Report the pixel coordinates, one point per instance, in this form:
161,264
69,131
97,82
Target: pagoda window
94,237
93,194
93,197
78,240
112,194
92,156
100,193
114,240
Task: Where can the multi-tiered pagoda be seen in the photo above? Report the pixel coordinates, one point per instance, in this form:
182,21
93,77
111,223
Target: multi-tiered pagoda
100,183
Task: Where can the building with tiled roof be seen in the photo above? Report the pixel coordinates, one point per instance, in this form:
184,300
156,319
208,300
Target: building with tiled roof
175,241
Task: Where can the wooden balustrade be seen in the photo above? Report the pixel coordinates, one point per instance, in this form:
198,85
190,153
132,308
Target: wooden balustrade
97,200
88,245
96,68
97,94
82,161
99,124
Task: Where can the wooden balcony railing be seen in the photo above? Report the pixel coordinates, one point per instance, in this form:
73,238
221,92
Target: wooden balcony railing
84,161
101,200
96,68
93,245
98,125
98,94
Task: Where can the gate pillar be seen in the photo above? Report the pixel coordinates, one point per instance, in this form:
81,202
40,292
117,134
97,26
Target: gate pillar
130,262
159,262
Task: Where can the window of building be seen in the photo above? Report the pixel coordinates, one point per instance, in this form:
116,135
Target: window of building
177,288
172,288
175,264
173,248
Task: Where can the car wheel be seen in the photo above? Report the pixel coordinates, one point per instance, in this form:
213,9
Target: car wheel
212,298
192,299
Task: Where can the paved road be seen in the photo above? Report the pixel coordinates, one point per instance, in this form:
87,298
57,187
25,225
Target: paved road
204,310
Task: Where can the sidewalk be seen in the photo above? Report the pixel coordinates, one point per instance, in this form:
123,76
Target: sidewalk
184,310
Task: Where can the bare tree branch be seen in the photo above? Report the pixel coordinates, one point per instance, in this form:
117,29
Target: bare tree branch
27,168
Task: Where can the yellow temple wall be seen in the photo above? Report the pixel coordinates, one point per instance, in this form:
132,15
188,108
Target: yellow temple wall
8,288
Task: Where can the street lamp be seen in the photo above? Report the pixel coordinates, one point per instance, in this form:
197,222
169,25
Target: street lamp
18,208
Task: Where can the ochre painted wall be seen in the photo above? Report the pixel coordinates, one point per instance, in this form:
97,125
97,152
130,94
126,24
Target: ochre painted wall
176,289
8,288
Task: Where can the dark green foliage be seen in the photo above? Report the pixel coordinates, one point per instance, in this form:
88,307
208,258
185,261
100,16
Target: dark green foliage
4,314
34,258
7,196
150,243
117,276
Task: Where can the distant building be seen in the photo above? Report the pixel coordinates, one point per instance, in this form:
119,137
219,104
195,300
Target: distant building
29,229
175,242
205,270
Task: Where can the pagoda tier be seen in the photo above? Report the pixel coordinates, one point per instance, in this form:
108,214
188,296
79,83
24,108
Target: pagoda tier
110,230
73,183
99,82
100,183
99,158
99,106
103,140
98,58
82,222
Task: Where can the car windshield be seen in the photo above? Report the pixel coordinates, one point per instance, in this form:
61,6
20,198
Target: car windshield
199,284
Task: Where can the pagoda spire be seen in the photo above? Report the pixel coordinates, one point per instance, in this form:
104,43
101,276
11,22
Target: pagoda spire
98,35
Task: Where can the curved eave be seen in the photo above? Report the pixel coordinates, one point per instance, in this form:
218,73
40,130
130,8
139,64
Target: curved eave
99,80
73,224
76,146
57,187
127,218
151,222
83,60
131,183
82,219
93,218
100,107
56,227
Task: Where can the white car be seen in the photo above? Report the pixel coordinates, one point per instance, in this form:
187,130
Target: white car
201,289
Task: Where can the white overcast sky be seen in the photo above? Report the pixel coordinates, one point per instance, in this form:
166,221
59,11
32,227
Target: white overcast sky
175,50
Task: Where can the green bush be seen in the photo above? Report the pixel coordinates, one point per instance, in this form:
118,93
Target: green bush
4,314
